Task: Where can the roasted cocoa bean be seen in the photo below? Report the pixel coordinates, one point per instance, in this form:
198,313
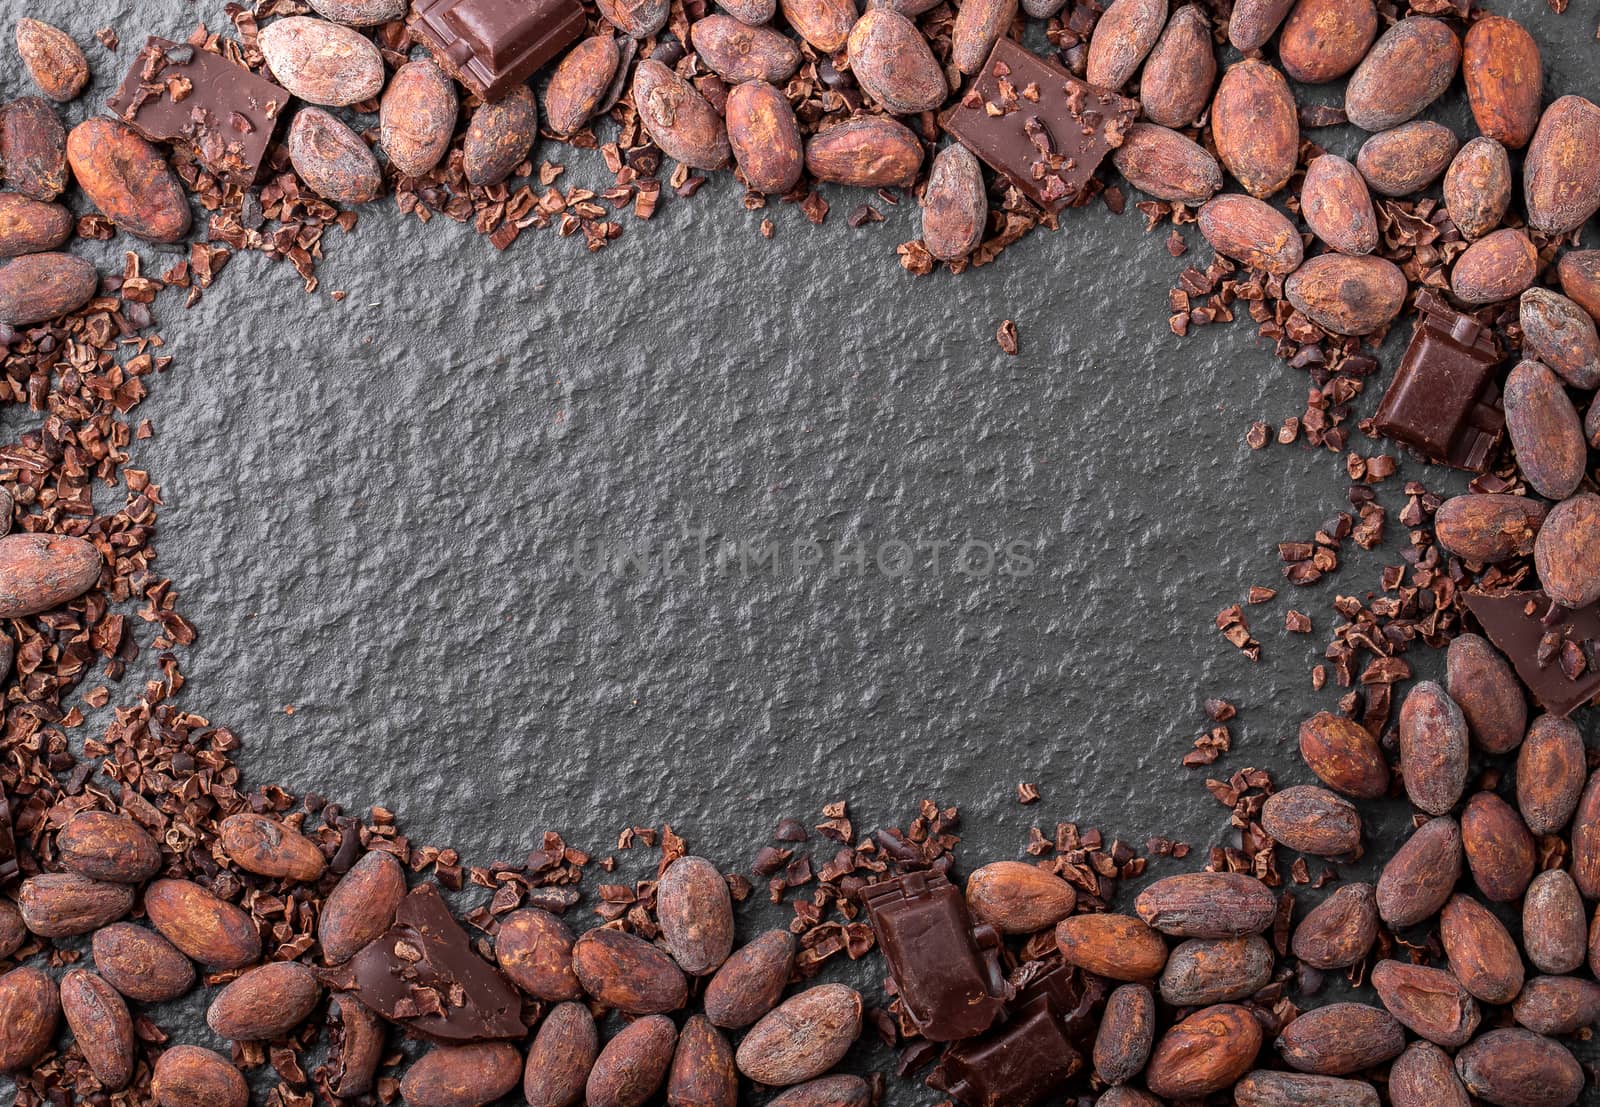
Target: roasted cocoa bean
1433,748
13,931
1407,158
1127,1031
1204,971
40,287
188,1076
30,1011
579,83
357,1048
55,62
128,180
534,950
360,13
737,52
1338,932
1253,22
1207,905
1554,931
103,845
332,159
751,981
1586,841
866,152
1424,1076
1342,752
979,25
1481,952
765,137
825,24
829,1091
1298,1089
1481,681
1499,266
803,1037
33,147
31,226
636,18
1486,527
1550,774
265,1002
322,63
462,1076
1323,40
702,1073
1340,1039
1313,820
269,847
1500,851
1347,295
1406,70
1557,1004
1561,335
1256,126
1204,1053
206,929
101,1026
628,973
63,905
361,906
1579,273
1168,165
678,119
1567,551
1545,431
1517,1068
417,117
1121,39
1118,947
1337,206
1561,174
954,206
561,1057
140,964
1430,1002
1504,77
1419,878
1019,898
1181,70
1252,231
500,137
695,911
1477,187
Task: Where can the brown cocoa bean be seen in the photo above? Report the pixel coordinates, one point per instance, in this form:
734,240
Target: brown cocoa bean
1313,820
31,226
323,63
1500,851
1487,527
128,180
42,571
562,1054
1124,1096
1433,748
1501,67
33,147
828,1091
803,1037
1550,775
1127,1031
1252,231
695,911
628,973
1168,165
1481,952
1567,551
1181,70
979,25
361,906
753,12
1418,879
30,1011
736,51
1499,266
63,905
1406,70
417,117
1586,840
954,206
189,1076
1342,752
1561,174
580,82
1561,335
206,929
1119,947
462,1076
1424,1076
751,981
534,950
1340,1039
1545,431
1256,126
101,1026
55,62
1347,295
265,1002
1207,905
1299,1089
1323,40
1121,39
866,152
1204,971
332,159
825,24
678,119
1337,206
1554,931
765,137
1517,1068
1430,1002
269,847
702,1073
1477,187
103,845
357,1049
360,13
1253,22
1482,683
636,18
13,931
40,287
141,965
1557,1004
1407,158
500,137
1018,898
1204,1053
1338,932
1579,274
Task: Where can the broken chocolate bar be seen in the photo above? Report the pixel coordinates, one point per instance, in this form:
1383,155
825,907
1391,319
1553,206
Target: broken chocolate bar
224,112
1555,649
9,870
1444,400
1038,125
423,974
491,46
947,973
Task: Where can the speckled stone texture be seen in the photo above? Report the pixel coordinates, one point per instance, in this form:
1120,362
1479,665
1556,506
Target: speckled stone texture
370,506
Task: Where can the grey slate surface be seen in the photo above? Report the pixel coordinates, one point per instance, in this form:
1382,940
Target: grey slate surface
371,505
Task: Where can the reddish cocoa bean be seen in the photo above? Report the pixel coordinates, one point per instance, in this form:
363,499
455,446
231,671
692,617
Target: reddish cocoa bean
695,911
1500,851
104,845
63,905
1347,295
1343,753
1504,77
865,152
212,931
561,1057
703,1073
1561,174
1477,187
893,63
188,1076
1567,551
1253,22
1482,954
1323,40
1121,39
33,147
1119,947
1181,70
1424,1076
678,119
1204,971
1579,273
628,973
534,950
955,208
31,226
140,964
1256,126
1550,773
30,1011
500,137
579,83
1168,165
1313,820
1406,70
1430,1002
1208,905
332,159
803,1037
1557,1004
55,62
1341,1039
1488,692
1554,931
361,906
1018,898
1544,430
1488,527
979,25
101,1026
1561,335
1252,231
736,51
1419,878
1407,158
1204,1053
265,1002
462,1076
322,63
1517,1068
1337,206
1433,748
1499,266
1338,932
751,981
270,847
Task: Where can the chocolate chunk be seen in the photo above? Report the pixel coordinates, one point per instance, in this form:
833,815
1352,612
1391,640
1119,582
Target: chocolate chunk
1038,125
491,46
1444,400
224,112
423,974
947,973
8,844
1555,650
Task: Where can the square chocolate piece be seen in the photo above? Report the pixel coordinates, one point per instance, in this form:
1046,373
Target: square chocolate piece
1555,650
491,46
1445,398
180,93
1037,125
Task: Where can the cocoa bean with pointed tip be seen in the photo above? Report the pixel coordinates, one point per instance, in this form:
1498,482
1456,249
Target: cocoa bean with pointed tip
332,159
825,24
1313,820
1477,187
803,1037
1018,898
579,83
1551,768
1420,877
1204,1053
64,905
101,1026
1168,165
1337,206
1343,753
1252,231
1561,174
561,1057
1207,905
140,964
1499,266
628,973
893,63
979,25
462,1076
1341,1039
54,61
1407,158
1256,126
361,906
1481,952
210,930
1121,39
866,152
1561,335
751,981
1338,932
954,206
322,63
1118,947
265,1002
678,119
703,1072
1430,1002
1504,77
1545,432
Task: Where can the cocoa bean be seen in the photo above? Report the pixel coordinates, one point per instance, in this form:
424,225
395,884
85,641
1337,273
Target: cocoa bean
954,206
1313,820
829,1091
1296,1089
765,137
678,119
628,973
1323,40
322,63
101,1026
1342,752
1119,947
265,1002
31,226
1499,266
360,13
188,1076
33,147
332,159
702,1074
1122,38
1127,1031
1561,174
1430,1002
695,911
1407,69
269,847
102,845
1181,70
1207,905
1550,775
1545,431
1554,931
55,62
1517,1068
40,287
1340,1039
1018,898
534,950
63,905
500,137
141,965
1579,273
1338,932
1204,1053
636,18
462,1076
866,152
1124,1096
361,906
1337,206
357,1049
1407,158
751,981
417,117
13,931
825,24
128,180
1253,22
753,12
580,82
1168,165
1557,1004
1561,335
803,1037
1482,683
1347,295
1500,851
1504,78
561,1057
1252,231
1477,187
1487,527
206,929
1433,748
736,51
1420,876
30,1011
1567,551
1481,952
1424,1076
1586,840
1203,971
979,25
1256,126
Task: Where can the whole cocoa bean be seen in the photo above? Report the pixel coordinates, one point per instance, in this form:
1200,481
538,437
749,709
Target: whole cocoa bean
1254,21
1338,932
322,63
1481,952
1421,875
1500,64
31,226
101,1026
103,845
1483,685
128,180
1488,527
702,1073
1407,158
636,18
751,981
736,51
462,1076
1550,775
1567,551
1323,40
1406,70
1554,932
1545,431
1207,905
1430,1002
1256,126
1342,752
33,147
1204,1053
1203,971
30,1011
1018,898
561,1057
1313,820
1298,1089
1557,1004
1252,231
1127,1031
13,931
1122,38
417,117
332,159
42,571
1561,174
579,83
628,973
1499,266
1517,1068
357,1049
1118,947
206,929
955,210
63,905
188,1076
265,1002
695,911
360,13
55,62
828,1091
803,1037
825,24
361,906
1337,206
765,137
753,12
1561,335
1424,1076
1500,851
269,847
866,152
500,137
40,287
678,119
1181,70
141,965
534,950
1347,295
1433,748
1168,165
1579,273
1340,1039
979,25
1586,840
1477,187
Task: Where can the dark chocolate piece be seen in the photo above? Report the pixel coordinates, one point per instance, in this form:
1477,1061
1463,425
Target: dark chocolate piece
1555,650
1445,398
424,975
224,112
947,973
1032,1057
491,46
1038,125
9,869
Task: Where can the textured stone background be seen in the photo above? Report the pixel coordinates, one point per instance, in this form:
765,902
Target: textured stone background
370,505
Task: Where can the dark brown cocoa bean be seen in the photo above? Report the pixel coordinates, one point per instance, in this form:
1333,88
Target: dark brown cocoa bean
1554,930
1561,335
265,1002
1122,38
628,973
1430,1002
1406,70
30,1011
1486,527
1517,1068
1313,820
751,981
737,52
33,147
1299,1089
322,63
695,911
188,1076
1557,1004
825,24
101,1026
128,180
702,1074
636,18
534,950
103,845
63,905
269,847
979,25
1561,174
40,287
1424,1076
332,159
1204,971
1567,551
1504,77
1500,851
55,62
1018,898
462,1076
765,137
500,137
1433,748
803,1037
1477,187
561,1057
1544,430
1586,840
1127,1031
1168,165
206,929
140,964
579,83
1481,952
1342,752
31,226
1181,70
1418,879
1323,40
1337,206
1207,905
866,152
678,119
1483,685
1407,158
829,1091
1338,932
1253,22
955,208
357,1049
1340,1039
1499,266
1256,126
1347,295
1252,231
1550,775
1118,947
1204,1053
361,906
